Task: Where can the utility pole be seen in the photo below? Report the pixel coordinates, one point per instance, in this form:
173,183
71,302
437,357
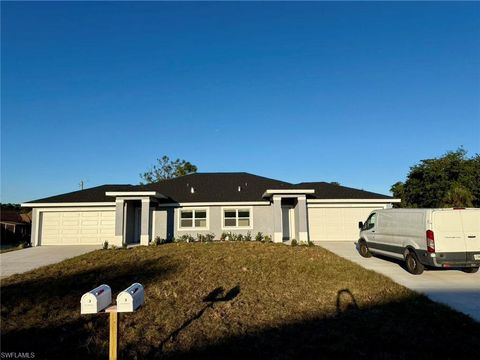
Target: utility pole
81,184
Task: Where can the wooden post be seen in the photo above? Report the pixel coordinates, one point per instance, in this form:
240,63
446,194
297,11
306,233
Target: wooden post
113,352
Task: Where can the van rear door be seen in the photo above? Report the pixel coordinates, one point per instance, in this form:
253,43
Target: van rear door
471,227
449,236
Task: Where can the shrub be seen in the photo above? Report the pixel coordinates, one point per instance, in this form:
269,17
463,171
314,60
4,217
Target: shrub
248,237
240,237
201,238
259,236
114,247
105,245
267,238
124,245
294,242
209,237
158,241
185,238
224,236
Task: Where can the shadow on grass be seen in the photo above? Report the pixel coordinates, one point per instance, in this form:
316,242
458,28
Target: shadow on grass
46,311
215,296
410,328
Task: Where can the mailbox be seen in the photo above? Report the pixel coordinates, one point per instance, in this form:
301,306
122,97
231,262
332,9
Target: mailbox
131,298
96,300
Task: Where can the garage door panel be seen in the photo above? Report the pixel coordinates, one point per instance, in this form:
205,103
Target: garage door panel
336,223
77,227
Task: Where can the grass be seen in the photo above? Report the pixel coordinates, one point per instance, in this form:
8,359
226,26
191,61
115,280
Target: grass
235,300
12,248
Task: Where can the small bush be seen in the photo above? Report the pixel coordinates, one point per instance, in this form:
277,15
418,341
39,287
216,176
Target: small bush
114,247
124,245
224,236
105,245
185,238
240,237
209,237
248,237
294,242
259,236
267,238
158,241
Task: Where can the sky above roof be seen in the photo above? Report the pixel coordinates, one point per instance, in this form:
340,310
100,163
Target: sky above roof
347,92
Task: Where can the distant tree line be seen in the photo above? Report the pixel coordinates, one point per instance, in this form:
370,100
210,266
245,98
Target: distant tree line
452,180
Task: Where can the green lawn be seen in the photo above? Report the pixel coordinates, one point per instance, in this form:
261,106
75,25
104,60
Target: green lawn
277,302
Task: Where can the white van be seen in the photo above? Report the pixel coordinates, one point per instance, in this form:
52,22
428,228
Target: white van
424,237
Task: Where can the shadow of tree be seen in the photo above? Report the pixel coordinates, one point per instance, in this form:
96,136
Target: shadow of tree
215,296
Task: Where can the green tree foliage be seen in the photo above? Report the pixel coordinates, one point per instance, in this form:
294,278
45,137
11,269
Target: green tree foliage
167,169
452,180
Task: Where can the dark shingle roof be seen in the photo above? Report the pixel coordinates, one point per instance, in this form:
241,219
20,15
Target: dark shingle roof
325,190
215,187
95,194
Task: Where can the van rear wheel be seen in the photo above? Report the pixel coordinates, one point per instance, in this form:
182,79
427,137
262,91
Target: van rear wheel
471,270
413,265
363,249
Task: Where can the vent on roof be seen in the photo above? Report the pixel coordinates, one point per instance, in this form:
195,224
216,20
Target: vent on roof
239,188
192,189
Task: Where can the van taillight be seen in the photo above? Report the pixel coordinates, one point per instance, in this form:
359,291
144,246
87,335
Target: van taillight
430,242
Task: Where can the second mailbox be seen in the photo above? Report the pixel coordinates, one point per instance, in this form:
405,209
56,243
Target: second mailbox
131,298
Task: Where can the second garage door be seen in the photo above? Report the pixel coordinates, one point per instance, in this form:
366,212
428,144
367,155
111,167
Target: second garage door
77,227
336,223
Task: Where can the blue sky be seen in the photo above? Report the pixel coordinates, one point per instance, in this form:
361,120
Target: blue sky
348,92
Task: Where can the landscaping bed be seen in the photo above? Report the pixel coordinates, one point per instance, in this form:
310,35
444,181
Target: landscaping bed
229,299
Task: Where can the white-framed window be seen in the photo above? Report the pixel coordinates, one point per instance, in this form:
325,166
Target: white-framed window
193,219
237,218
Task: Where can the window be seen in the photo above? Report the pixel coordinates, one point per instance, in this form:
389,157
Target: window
236,218
370,223
193,218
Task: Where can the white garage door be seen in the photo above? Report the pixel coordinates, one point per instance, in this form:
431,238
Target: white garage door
336,223
77,227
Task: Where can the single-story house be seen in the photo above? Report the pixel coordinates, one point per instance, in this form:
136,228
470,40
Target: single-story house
203,203
14,225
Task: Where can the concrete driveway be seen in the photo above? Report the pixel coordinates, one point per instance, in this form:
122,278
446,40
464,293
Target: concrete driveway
455,288
20,261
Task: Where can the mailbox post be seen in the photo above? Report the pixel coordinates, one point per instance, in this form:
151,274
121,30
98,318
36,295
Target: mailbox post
99,301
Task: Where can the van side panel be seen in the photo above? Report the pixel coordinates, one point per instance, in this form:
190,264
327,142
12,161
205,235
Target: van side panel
399,229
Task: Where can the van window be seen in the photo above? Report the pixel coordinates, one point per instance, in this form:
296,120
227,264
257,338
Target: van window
370,223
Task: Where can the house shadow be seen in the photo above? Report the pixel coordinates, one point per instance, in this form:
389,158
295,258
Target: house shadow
380,331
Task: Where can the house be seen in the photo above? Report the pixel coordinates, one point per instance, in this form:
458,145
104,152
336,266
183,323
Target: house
203,203
15,226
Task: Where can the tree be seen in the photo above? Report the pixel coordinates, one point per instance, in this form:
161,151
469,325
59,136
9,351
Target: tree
335,183
452,180
167,169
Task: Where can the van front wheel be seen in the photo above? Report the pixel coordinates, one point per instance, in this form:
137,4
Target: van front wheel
413,265
363,249
471,270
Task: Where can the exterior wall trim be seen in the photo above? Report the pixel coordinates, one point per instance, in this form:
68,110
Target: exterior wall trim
75,204
225,203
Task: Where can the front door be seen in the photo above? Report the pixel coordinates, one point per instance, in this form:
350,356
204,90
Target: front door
287,223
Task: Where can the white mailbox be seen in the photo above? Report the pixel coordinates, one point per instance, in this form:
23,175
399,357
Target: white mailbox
131,298
96,300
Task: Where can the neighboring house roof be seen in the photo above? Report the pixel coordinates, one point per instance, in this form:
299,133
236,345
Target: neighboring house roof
215,187
13,216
